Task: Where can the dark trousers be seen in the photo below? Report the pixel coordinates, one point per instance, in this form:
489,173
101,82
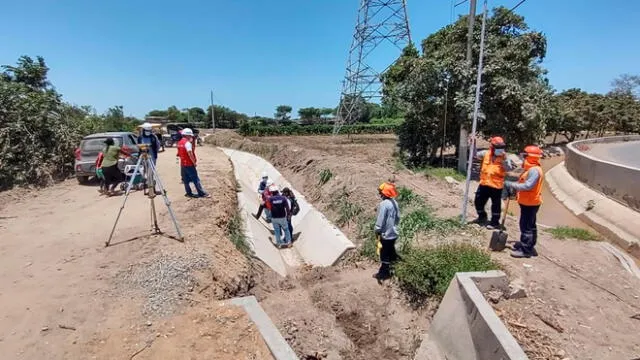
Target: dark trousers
388,255
112,177
528,229
189,175
483,194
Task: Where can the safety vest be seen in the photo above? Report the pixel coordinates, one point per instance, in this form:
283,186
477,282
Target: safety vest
531,197
185,160
492,172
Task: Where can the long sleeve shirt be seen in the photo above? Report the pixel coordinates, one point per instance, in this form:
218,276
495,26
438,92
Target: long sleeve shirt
388,219
507,164
532,179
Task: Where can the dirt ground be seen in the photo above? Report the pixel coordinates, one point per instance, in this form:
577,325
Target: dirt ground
570,282
64,295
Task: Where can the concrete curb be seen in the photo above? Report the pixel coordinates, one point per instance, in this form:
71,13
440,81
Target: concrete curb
278,346
465,327
617,222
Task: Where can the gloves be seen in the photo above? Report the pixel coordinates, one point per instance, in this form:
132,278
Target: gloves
378,244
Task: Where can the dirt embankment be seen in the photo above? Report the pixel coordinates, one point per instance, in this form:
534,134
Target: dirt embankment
65,296
574,284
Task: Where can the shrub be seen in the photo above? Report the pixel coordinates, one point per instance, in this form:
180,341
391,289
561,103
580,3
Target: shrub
564,232
406,197
428,272
325,176
441,173
318,129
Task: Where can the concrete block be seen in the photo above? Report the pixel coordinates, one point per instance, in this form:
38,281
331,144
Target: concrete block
276,343
465,327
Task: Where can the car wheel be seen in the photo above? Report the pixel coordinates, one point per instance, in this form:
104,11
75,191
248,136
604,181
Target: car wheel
82,179
168,143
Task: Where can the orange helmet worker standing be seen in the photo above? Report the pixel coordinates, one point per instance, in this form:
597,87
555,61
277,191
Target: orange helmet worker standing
386,229
492,173
529,195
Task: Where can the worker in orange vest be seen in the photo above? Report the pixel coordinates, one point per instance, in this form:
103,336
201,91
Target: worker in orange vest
529,194
492,173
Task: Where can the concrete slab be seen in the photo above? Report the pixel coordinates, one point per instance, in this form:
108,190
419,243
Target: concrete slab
320,243
465,327
617,222
278,346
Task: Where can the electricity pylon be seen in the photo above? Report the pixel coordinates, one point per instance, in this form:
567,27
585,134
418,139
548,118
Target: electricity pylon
380,23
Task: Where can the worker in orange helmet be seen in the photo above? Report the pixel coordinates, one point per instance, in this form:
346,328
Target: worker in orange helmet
386,229
529,194
492,173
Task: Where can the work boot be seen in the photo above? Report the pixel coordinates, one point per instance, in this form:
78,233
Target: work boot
255,216
494,226
480,221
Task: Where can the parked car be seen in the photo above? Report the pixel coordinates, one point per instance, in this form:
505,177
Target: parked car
89,148
173,133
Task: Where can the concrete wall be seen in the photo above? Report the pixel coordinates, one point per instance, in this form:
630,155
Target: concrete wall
618,182
465,327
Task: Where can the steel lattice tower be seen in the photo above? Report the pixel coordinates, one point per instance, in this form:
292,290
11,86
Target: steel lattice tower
380,23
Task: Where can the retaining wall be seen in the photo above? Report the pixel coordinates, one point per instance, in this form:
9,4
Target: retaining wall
616,181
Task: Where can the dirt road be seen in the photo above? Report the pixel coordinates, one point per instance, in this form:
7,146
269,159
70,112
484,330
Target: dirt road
63,295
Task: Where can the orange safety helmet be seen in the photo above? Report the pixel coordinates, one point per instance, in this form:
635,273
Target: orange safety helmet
388,190
533,151
497,142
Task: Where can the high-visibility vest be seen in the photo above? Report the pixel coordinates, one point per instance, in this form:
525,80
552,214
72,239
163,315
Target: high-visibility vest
492,172
183,154
531,197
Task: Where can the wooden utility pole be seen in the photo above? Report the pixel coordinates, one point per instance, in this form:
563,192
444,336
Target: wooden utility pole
463,149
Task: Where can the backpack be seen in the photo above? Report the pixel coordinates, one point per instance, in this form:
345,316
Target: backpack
295,208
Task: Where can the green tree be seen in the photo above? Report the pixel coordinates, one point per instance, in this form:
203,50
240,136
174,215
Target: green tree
354,108
158,113
309,115
283,112
626,84
32,73
514,95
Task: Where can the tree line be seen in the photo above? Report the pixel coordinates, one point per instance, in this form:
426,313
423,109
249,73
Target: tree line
38,130
434,88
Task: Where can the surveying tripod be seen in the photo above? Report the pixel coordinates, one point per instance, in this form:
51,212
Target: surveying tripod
147,169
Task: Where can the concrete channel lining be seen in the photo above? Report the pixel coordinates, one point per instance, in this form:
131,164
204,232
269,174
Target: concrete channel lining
465,327
319,243
277,345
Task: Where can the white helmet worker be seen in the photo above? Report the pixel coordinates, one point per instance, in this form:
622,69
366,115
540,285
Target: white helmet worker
187,132
147,126
264,175
273,188
269,183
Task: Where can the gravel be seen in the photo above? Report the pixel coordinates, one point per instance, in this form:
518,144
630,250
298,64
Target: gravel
166,281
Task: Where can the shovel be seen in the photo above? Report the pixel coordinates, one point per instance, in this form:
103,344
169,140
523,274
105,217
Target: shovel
499,237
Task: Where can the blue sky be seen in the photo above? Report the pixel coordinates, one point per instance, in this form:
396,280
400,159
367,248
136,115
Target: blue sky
257,54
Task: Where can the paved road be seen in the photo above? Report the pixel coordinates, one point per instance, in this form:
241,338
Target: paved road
626,153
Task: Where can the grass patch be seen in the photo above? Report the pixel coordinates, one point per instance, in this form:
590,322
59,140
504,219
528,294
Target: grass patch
368,237
428,272
565,232
406,197
325,176
347,211
235,232
441,173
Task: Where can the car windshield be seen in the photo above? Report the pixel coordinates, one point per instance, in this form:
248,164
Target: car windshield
97,144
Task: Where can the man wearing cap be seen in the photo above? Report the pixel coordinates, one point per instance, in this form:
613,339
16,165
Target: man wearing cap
188,163
149,138
280,214
529,194
492,173
386,228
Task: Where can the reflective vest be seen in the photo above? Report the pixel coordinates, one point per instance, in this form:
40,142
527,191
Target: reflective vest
185,160
492,172
531,197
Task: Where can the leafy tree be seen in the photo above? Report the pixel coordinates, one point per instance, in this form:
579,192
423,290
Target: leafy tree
309,115
158,113
32,73
626,84
226,118
354,108
197,115
515,93
283,112
175,115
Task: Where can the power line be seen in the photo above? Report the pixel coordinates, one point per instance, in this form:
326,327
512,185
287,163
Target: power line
518,4
460,3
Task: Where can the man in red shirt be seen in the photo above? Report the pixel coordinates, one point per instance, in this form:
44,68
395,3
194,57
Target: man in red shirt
188,163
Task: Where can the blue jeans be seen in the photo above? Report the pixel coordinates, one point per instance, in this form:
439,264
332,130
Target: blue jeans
190,175
280,225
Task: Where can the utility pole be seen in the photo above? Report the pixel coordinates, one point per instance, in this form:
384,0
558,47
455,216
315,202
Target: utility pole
213,113
463,148
476,109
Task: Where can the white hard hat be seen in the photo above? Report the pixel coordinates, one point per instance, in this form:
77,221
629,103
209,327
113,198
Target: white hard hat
273,188
146,126
265,175
269,182
187,132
